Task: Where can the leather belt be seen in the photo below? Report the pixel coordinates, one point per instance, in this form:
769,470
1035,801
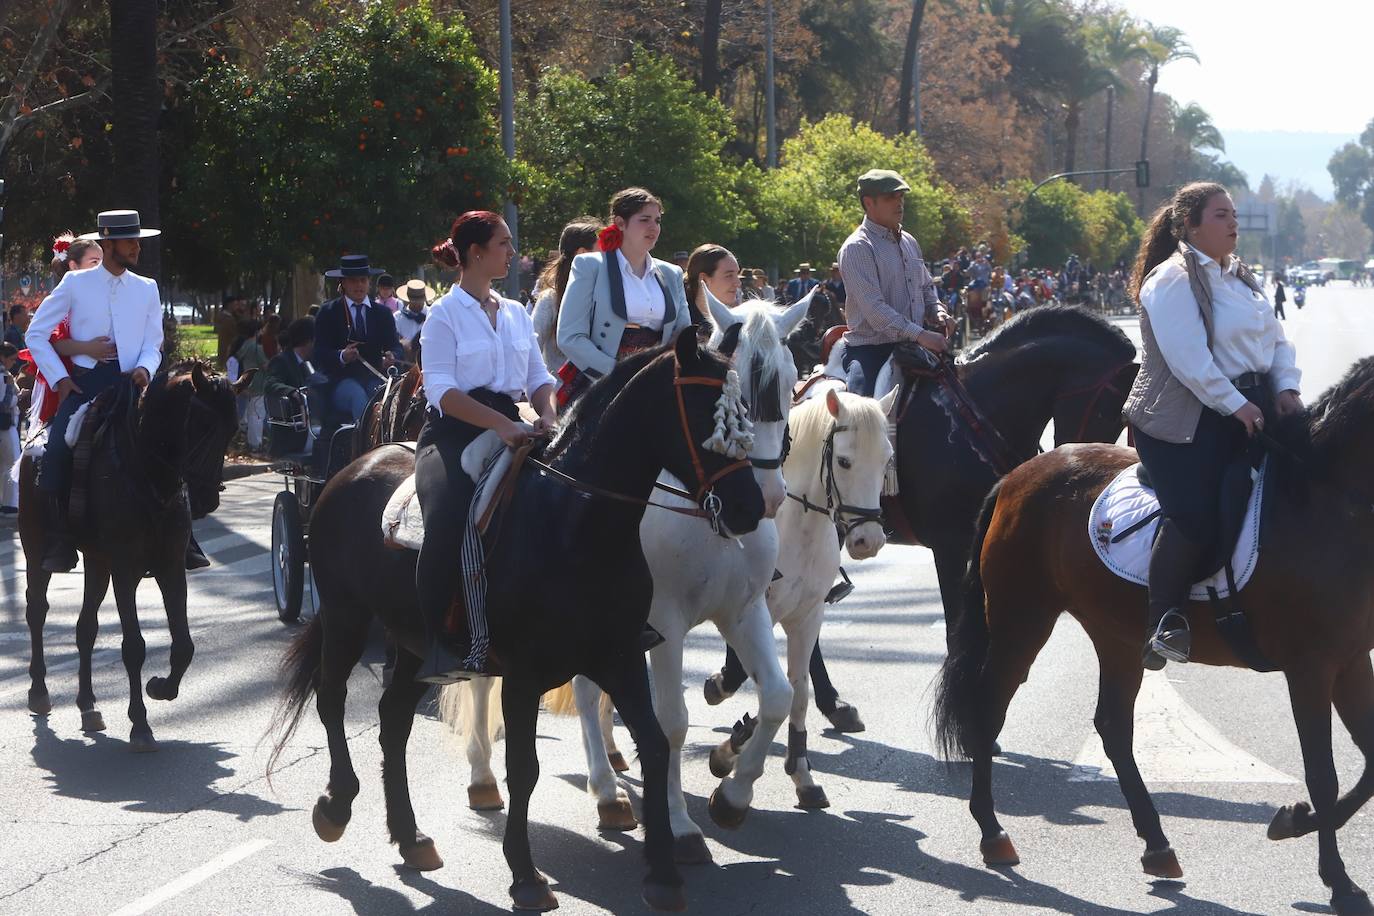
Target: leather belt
1250,380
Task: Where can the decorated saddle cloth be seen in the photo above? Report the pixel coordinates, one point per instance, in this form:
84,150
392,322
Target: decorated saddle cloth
37,442
1122,528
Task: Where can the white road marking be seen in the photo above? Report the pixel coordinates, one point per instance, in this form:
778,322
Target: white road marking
1174,743
192,878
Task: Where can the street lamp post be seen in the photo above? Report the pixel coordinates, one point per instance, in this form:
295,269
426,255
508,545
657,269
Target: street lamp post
508,141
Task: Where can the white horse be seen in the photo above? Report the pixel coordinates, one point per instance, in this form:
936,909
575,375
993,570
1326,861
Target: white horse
697,576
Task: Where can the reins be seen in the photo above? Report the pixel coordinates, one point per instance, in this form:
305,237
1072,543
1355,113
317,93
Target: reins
1107,382
835,507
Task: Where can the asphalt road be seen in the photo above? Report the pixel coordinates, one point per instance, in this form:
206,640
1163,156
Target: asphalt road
197,828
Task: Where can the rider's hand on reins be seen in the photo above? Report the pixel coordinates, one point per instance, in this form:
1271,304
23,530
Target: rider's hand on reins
513,434
933,341
1252,417
1288,402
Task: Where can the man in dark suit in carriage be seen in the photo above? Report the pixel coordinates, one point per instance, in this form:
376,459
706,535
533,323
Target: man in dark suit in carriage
355,338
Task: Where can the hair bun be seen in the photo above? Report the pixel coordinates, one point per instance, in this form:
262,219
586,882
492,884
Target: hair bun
445,254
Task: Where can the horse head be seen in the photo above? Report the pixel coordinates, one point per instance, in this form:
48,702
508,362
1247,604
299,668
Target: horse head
211,420
767,377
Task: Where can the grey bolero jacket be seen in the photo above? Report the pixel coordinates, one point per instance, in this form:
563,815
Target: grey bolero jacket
591,318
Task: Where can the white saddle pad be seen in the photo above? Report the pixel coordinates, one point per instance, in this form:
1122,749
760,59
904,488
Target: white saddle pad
37,442
403,524
1126,501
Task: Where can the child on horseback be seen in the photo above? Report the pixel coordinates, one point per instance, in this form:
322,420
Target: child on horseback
1212,353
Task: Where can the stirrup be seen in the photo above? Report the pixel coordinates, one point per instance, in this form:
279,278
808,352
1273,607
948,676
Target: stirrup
1171,640
840,590
441,668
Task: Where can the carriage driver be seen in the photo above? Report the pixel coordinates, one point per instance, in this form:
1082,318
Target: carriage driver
111,301
355,337
481,356
890,295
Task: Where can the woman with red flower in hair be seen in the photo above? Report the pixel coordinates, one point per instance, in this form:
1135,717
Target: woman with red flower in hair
620,299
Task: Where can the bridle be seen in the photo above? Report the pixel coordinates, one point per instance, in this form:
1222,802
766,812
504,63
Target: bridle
845,516
1106,383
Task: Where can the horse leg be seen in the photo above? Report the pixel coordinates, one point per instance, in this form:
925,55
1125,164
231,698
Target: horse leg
96,586
1118,685
344,642
1354,701
134,650
613,811
802,633
483,793
629,690
843,716
752,637
607,716
36,614
396,710
689,846
529,889
171,581
1311,694
949,571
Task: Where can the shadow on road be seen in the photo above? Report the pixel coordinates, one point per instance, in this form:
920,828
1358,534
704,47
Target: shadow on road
374,900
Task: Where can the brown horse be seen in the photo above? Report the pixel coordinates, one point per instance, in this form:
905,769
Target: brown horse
394,414
1311,604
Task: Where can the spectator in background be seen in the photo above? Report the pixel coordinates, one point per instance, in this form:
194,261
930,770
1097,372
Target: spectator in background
287,374
232,311
386,293
680,258
1280,297
834,287
19,323
270,335
9,431
250,355
799,285
411,319
765,291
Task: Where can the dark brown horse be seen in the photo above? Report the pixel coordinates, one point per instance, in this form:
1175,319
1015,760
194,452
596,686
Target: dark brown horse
569,593
394,414
1311,603
158,465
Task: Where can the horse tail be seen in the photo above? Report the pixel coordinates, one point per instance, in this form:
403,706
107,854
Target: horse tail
300,667
956,698
458,709
561,701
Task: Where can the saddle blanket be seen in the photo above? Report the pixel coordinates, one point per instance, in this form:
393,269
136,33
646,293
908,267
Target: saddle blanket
37,442
1127,502
403,525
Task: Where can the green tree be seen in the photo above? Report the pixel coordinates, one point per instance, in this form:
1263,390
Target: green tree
368,134
643,125
810,203
1352,172
1062,218
1120,43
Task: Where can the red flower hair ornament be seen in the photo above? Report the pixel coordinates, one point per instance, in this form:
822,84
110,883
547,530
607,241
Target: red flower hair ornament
59,248
609,239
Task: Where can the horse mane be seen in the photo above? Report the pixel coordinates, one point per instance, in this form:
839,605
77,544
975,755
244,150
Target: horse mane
1068,320
762,354
1328,426
811,421
593,403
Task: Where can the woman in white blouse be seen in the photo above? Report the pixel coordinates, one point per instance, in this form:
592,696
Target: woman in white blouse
481,357
1213,358
619,299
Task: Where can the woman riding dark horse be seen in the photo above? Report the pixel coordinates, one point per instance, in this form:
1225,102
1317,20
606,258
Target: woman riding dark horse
1060,363
569,592
157,464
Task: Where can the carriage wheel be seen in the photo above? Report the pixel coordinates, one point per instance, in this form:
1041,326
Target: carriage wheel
288,556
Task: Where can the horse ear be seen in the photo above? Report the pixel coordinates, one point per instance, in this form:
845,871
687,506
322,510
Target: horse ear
832,403
244,381
787,322
730,341
889,400
198,380
720,312
685,346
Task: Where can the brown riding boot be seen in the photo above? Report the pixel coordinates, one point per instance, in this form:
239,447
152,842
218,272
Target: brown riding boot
61,553
1173,569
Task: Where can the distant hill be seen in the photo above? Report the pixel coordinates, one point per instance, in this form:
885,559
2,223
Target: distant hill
1287,155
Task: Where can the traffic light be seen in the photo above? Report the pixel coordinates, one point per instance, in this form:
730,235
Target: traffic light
1142,173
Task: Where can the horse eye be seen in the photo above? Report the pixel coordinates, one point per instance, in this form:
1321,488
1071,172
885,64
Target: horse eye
844,463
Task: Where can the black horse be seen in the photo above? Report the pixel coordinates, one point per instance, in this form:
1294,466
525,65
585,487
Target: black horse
158,463
568,593
1054,362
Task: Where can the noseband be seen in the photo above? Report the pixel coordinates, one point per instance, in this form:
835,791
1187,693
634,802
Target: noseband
845,516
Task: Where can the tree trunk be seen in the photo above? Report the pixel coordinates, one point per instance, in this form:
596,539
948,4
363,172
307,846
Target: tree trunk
1145,131
1071,121
136,94
710,48
913,38
11,121
1107,140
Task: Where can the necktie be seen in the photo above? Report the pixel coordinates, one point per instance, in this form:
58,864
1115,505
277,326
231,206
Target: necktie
360,325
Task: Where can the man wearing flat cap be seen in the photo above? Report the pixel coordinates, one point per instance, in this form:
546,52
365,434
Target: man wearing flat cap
111,301
890,295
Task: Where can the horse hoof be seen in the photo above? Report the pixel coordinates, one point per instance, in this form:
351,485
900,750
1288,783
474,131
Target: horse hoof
725,814
845,718
811,798
92,721
1354,902
40,704
715,691
1284,826
142,742
326,829
999,851
485,796
533,895
618,762
1162,863
159,688
615,815
421,857
665,898
722,760
691,850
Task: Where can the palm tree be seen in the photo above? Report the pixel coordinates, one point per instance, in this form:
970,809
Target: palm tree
710,48
1086,73
136,94
1163,44
1120,42
1193,125
909,74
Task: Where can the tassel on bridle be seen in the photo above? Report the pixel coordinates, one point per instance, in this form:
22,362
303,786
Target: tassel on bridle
734,432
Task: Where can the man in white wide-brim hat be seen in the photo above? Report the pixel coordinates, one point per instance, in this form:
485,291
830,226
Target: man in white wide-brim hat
108,300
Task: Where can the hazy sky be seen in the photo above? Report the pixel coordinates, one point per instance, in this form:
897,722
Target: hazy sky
1272,65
